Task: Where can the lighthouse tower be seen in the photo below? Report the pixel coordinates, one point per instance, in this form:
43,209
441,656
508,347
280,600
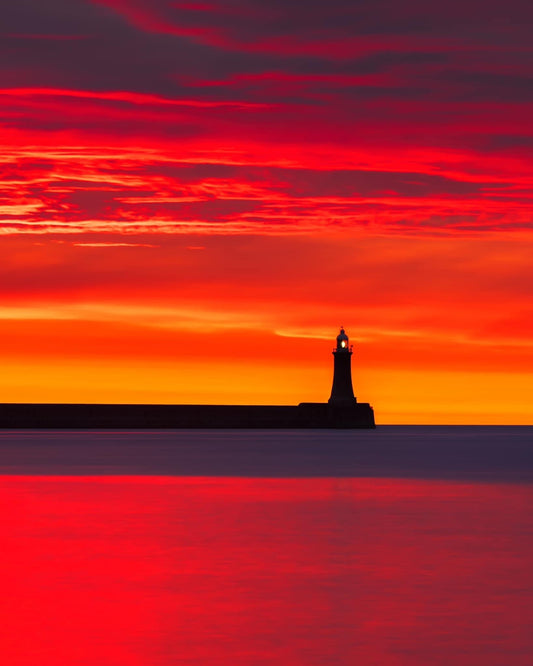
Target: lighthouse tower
342,389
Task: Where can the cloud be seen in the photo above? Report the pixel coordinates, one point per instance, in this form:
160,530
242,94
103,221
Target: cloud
252,25
84,191
111,244
474,291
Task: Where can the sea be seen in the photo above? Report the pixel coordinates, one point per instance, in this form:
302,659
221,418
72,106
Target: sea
404,545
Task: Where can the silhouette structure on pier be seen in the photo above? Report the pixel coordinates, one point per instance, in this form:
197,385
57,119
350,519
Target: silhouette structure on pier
342,389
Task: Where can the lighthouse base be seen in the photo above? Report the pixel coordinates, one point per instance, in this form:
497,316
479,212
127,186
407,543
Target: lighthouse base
326,415
72,416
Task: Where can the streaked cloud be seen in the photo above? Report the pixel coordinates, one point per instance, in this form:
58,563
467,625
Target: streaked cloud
262,170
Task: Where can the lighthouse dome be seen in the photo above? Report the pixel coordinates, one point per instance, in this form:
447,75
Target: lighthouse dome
342,340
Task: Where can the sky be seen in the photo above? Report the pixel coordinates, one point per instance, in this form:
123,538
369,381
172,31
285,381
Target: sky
195,196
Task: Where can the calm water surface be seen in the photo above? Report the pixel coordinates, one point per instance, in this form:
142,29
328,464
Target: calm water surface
144,549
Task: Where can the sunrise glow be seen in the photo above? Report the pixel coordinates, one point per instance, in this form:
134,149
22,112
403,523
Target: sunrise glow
195,196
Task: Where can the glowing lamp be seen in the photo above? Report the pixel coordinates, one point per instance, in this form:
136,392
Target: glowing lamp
342,341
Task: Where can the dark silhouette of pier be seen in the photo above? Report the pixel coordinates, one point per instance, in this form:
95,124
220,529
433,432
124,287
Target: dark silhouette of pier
341,411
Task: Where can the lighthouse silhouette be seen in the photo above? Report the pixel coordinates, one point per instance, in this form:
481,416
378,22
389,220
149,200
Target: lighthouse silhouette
342,389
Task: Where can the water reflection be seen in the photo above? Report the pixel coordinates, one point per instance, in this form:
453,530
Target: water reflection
163,571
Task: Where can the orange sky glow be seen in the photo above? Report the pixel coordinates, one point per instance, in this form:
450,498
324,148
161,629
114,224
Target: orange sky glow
192,202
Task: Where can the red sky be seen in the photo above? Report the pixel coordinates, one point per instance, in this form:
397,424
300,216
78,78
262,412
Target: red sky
195,195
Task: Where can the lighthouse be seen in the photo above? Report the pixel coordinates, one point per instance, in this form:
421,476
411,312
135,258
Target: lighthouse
342,389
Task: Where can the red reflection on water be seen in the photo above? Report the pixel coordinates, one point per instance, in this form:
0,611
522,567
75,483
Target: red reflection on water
161,571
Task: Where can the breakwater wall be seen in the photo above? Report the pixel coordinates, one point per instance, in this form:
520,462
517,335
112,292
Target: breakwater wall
72,416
